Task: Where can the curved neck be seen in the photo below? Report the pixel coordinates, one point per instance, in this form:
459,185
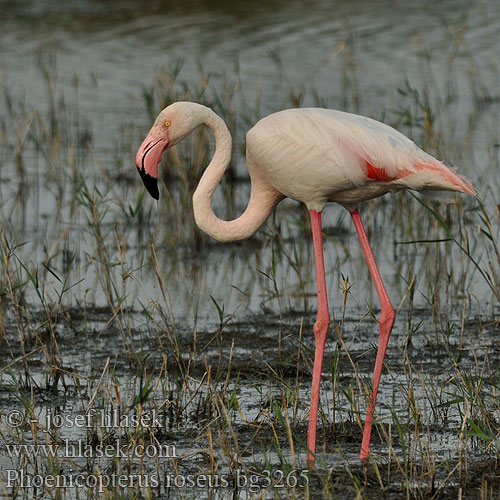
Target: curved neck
262,198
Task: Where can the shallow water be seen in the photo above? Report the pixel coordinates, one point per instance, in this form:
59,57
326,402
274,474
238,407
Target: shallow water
100,57
111,51
88,348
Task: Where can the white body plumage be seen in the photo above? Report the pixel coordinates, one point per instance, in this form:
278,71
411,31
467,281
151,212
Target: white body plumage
320,155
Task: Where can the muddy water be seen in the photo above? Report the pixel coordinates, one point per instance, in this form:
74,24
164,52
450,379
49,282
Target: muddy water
354,56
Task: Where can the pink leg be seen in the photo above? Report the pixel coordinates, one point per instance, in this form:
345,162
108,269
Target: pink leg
320,332
386,322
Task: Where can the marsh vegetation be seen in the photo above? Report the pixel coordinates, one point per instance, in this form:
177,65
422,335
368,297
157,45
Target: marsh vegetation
114,304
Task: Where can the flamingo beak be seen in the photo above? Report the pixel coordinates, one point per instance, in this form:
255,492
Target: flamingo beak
148,157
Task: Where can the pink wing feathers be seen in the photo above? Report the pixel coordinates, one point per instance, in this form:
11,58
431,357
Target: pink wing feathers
386,155
389,156
358,149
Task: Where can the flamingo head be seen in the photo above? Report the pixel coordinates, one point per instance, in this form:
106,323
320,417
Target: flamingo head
172,125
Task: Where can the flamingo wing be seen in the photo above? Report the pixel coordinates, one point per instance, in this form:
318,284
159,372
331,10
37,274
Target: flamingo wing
322,152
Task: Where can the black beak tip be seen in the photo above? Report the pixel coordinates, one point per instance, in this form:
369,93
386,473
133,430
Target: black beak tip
150,182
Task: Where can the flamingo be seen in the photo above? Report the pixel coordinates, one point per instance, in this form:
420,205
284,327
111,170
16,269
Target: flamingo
315,156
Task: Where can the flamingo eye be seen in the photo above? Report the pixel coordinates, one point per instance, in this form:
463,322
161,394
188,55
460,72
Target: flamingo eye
168,123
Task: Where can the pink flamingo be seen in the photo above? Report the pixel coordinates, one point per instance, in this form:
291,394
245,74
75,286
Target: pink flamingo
314,156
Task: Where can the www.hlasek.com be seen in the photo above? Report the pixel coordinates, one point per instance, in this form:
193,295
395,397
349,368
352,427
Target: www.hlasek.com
240,480
80,449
